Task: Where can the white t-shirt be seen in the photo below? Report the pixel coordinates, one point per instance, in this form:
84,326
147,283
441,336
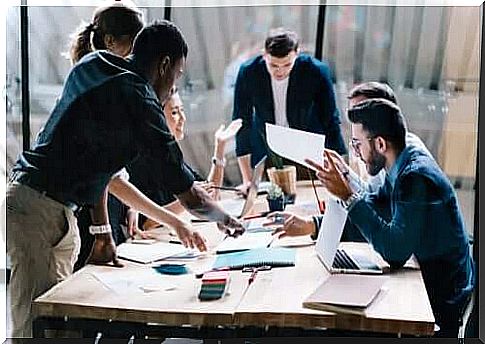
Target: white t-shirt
280,88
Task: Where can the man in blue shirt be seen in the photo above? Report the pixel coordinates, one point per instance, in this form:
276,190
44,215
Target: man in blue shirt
416,211
109,113
285,88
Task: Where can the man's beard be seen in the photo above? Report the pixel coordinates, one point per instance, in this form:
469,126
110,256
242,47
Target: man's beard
376,163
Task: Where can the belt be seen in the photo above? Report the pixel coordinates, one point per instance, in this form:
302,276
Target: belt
24,178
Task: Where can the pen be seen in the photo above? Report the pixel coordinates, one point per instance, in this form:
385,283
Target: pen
227,188
175,242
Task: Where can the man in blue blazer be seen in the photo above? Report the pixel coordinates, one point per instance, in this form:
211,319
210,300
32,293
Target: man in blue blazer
285,88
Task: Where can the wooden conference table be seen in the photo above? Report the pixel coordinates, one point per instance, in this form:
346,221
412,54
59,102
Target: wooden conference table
273,301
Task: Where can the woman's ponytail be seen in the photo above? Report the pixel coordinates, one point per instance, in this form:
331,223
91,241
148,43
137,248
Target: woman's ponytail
81,44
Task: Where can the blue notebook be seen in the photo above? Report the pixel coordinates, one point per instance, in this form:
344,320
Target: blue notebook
277,256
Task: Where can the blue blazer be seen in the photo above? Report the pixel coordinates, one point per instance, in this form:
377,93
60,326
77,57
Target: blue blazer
310,104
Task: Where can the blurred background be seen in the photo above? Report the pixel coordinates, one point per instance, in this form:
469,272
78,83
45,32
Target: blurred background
429,55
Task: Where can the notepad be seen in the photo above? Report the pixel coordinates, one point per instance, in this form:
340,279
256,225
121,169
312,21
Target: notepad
341,293
247,241
256,258
148,253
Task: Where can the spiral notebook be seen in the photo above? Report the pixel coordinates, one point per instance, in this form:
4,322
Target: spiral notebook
257,257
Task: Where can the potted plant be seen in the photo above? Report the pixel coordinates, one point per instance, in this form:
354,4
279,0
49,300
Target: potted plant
276,198
283,175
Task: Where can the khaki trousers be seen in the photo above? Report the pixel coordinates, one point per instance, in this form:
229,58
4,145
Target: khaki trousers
42,243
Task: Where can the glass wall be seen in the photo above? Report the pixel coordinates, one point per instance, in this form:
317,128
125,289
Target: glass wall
429,55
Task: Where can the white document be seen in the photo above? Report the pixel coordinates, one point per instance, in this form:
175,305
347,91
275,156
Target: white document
247,241
126,282
295,145
149,253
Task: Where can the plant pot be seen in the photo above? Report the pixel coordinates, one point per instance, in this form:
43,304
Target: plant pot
276,204
285,178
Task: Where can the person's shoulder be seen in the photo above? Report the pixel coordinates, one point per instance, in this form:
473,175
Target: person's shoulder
312,65
253,63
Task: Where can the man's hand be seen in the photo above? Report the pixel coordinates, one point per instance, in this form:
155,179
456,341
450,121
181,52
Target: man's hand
103,251
292,225
190,238
331,177
231,227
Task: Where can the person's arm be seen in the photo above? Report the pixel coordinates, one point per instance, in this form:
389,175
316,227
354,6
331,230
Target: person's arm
243,109
131,196
199,203
399,237
158,143
396,239
328,111
244,163
104,248
221,137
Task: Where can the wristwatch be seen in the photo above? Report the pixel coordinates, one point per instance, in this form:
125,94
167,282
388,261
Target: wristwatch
219,162
353,198
100,229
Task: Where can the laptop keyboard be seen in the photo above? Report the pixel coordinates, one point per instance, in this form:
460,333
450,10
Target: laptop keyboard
343,261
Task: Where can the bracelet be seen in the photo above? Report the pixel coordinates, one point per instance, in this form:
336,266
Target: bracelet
100,229
218,162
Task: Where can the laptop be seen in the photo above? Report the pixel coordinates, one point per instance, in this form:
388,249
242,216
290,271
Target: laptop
239,208
335,259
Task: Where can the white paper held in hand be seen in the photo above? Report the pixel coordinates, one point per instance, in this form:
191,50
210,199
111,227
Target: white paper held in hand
295,145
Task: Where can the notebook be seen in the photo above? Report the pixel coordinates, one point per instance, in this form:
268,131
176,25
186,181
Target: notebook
351,294
149,253
237,207
338,260
247,241
255,258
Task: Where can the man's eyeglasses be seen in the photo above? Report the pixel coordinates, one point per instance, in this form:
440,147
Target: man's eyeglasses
356,144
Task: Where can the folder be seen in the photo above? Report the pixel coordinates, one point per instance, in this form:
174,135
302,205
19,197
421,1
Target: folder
256,258
348,294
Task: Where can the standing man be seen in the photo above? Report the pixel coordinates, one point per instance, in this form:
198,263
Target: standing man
109,112
416,211
285,88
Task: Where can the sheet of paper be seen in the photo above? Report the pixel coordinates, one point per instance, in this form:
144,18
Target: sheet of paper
125,281
149,253
296,145
246,241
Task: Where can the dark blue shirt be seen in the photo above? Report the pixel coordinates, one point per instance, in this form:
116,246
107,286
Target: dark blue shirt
416,212
107,115
310,104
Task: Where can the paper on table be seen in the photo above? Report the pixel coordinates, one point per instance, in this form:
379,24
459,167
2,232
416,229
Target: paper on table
296,145
247,241
125,281
149,253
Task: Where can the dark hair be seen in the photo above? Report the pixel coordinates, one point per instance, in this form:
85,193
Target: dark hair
117,20
373,89
280,42
161,38
380,117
